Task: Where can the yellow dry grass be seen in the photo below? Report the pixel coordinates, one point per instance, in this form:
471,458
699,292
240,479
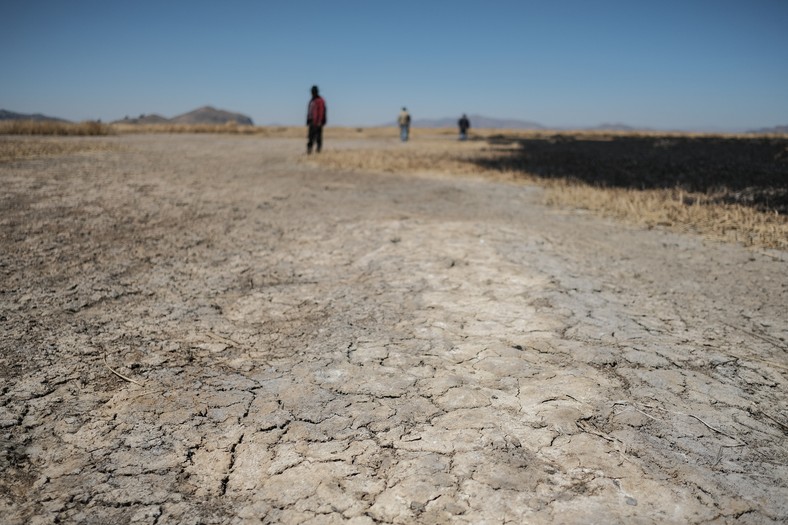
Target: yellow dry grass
669,208
231,128
426,154
436,151
20,148
677,210
33,127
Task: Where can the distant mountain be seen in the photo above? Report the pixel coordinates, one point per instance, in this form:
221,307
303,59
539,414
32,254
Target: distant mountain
10,115
775,129
209,115
615,127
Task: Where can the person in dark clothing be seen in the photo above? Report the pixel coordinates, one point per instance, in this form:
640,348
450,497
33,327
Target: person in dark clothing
464,125
315,119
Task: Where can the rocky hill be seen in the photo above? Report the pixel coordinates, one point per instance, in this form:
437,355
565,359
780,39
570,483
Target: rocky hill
203,115
210,115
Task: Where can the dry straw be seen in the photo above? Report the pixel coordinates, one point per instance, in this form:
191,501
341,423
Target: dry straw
18,148
556,161
34,127
715,213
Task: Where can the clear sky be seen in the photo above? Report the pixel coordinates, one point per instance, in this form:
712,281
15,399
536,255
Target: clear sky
669,64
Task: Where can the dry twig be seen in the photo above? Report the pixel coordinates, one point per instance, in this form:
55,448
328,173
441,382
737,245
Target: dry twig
228,342
119,374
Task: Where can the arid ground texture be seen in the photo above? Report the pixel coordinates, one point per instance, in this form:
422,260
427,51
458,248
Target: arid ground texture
216,329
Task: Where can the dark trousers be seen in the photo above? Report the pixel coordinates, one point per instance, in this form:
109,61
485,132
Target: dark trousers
315,137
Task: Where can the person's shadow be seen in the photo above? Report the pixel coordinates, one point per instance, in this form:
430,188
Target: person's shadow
748,171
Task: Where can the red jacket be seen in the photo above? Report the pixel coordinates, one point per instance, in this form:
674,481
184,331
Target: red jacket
316,112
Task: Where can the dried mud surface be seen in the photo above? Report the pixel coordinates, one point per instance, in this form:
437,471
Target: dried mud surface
302,345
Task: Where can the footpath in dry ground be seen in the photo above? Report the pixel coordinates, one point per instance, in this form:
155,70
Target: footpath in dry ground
207,329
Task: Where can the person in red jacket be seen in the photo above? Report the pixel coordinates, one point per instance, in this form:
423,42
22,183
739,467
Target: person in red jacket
315,119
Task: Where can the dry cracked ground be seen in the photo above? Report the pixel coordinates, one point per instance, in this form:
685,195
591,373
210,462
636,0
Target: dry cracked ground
207,329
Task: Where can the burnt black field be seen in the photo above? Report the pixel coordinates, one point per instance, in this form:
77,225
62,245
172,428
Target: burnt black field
748,171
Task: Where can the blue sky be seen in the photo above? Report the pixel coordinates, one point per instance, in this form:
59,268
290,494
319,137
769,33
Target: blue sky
672,64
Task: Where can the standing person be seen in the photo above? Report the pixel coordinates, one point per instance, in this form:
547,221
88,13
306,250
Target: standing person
315,119
464,125
404,124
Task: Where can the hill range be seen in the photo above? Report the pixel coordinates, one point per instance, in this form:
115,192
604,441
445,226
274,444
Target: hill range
38,117
203,115
211,115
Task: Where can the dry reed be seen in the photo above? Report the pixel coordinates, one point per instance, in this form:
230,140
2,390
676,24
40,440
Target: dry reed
34,127
231,128
676,210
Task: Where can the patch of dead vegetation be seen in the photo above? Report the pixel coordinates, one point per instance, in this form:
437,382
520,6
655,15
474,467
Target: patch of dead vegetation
20,148
34,127
731,188
231,128
285,132
677,210
427,155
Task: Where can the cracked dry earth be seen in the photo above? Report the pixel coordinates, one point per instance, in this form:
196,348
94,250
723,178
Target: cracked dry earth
305,345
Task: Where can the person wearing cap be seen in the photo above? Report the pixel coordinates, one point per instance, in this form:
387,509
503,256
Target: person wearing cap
315,119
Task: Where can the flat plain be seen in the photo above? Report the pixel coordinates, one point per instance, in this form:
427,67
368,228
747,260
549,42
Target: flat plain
214,328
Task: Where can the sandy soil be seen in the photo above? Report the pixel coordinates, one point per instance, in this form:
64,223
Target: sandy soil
302,345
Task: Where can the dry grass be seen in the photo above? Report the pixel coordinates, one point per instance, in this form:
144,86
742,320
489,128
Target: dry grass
677,210
33,127
231,128
725,187
722,212
330,132
426,154
20,148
